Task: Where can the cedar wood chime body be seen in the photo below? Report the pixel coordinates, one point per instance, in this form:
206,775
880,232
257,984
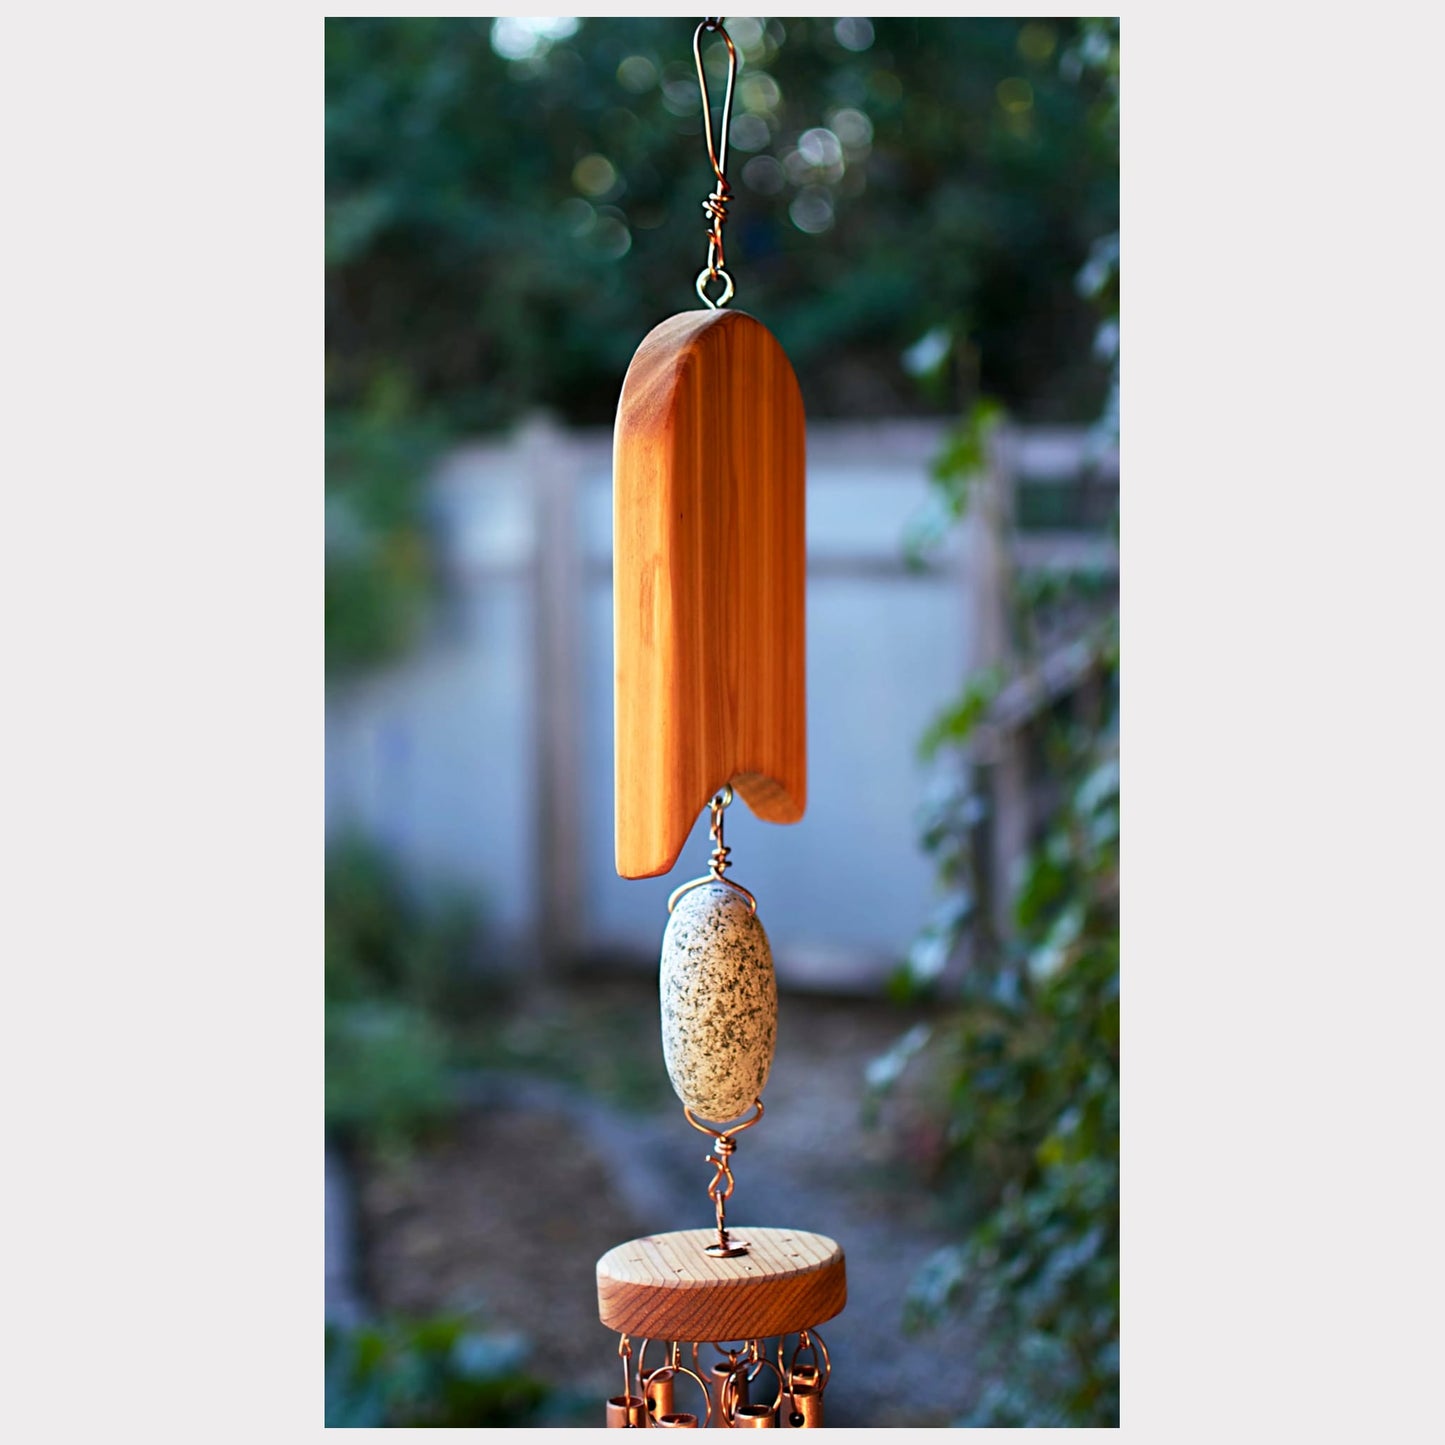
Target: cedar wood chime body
709,570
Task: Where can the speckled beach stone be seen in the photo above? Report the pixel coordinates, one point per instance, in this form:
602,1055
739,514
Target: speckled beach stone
719,1002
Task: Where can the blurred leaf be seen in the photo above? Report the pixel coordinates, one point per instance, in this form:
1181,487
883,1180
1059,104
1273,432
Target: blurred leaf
388,1075
439,1371
956,724
885,1070
379,565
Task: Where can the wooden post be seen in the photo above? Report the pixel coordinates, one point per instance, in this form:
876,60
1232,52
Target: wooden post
550,471
1001,754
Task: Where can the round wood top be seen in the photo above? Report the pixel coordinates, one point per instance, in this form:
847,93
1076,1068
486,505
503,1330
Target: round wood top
663,1287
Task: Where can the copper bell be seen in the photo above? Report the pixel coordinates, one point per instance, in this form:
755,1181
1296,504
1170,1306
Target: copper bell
659,1392
627,1412
803,1404
803,1407
757,1417
737,1391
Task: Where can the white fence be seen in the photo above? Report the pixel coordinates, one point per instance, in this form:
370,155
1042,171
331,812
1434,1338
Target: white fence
484,761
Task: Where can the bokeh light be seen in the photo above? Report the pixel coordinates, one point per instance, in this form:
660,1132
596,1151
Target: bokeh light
524,37
854,33
637,73
812,210
1015,95
594,175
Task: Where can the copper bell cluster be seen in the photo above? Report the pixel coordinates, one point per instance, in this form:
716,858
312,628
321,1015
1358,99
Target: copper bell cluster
749,1388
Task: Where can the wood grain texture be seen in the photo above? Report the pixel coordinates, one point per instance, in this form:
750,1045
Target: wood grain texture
663,1287
708,583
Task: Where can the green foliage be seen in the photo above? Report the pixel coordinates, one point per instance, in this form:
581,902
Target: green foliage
1032,1144
1095,56
1025,1068
388,1074
507,217
956,723
410,1012
960,461
379,566
381,943
394,971
433,1372
1025,1074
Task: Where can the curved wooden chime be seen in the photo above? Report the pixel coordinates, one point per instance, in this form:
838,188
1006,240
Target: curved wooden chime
708,569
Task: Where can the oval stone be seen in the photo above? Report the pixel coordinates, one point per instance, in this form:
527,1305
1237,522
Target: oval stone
719,1002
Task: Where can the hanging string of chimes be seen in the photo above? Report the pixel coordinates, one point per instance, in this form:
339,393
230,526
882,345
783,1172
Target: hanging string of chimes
708,584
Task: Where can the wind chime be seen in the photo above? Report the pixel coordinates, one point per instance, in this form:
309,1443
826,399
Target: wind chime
708,601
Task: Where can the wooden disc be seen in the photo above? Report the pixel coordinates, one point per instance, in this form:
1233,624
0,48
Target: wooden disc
663,1287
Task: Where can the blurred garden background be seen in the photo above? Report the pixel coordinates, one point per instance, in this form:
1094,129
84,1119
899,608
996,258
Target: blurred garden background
926,216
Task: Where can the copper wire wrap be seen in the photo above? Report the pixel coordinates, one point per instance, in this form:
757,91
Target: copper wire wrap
715,208
721,1188
719,857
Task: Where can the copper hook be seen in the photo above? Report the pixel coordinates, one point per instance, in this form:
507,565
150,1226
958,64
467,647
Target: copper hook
715,207
718,155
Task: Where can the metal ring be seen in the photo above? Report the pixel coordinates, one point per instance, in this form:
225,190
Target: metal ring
703,277
710,878
722,1347
725,1403
816,1345
725,1133
644,1382
692,1375
642,1358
